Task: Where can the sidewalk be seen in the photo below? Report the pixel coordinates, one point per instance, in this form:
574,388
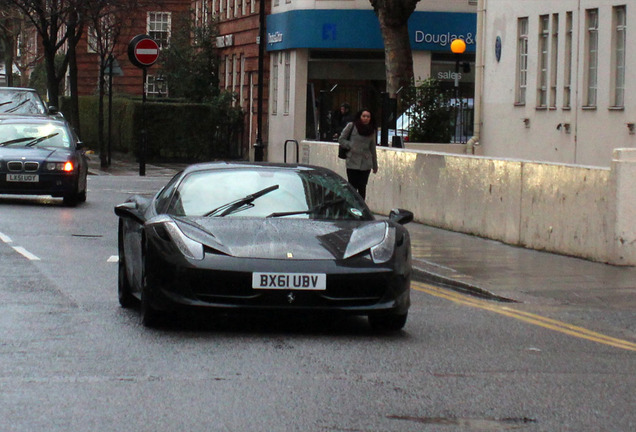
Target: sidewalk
481,266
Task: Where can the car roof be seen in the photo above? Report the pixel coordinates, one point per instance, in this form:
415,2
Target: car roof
241,165
31,118
18,89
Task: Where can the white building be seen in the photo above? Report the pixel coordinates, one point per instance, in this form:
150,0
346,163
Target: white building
559,79
335,47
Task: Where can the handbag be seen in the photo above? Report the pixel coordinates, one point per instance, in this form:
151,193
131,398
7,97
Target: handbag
343,152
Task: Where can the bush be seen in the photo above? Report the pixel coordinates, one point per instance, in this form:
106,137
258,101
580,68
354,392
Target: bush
430,112
176,131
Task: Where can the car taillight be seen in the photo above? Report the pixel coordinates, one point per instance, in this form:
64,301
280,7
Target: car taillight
68,166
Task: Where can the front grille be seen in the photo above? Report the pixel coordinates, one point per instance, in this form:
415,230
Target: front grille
31,166
14,166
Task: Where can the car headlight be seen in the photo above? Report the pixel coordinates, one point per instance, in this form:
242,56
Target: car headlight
378,239
60,166
187,246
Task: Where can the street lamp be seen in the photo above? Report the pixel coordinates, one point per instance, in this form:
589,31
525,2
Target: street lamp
458,47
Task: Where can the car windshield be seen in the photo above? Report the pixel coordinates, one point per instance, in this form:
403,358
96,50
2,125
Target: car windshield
306,194
34,135
17,101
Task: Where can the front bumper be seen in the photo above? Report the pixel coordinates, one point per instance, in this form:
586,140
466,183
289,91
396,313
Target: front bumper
354,286
54,184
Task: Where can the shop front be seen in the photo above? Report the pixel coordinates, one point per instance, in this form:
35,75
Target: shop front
321,59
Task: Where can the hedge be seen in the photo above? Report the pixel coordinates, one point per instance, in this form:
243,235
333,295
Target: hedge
176,131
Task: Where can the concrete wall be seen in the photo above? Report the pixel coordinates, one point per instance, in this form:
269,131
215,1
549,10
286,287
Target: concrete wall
581,211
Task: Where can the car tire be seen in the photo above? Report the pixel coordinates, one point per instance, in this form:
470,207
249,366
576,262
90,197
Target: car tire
150,317
70,200
388,322
81,197
124,291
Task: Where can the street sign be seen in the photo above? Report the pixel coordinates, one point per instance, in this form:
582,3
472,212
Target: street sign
143,51
113,68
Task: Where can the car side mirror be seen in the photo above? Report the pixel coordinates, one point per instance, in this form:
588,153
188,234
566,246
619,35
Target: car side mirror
79,145
129,210
53,110
401,216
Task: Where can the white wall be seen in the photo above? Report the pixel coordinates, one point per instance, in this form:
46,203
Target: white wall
593,133
574,210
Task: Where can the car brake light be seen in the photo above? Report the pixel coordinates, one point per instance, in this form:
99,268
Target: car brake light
68,166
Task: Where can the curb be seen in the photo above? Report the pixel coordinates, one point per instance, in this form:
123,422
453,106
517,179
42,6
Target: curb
423,272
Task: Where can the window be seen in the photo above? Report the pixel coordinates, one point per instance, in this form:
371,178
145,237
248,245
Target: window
591,61
274,94
287,82
156,86
228,71
542,79
567,69
158,27
618,52
554,59
522,60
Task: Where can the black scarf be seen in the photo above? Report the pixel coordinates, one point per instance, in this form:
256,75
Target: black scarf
364,129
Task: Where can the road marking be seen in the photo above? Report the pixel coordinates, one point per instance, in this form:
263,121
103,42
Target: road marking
5,238
113,259
25,253
527,317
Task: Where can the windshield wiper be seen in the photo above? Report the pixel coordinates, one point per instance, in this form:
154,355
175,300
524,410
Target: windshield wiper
17,140
17,106
314,209
42,138
237,205
4,103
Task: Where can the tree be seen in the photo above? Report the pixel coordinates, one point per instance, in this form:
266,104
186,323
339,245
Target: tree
190,62
430,112
105,20
58,24
393,16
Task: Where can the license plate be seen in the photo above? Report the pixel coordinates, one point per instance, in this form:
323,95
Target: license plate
293,281
26,178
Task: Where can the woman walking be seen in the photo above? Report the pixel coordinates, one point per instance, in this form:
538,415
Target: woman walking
359,137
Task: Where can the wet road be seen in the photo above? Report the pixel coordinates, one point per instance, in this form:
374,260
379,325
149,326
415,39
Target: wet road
72,359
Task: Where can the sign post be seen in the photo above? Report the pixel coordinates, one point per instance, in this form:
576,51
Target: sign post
143,52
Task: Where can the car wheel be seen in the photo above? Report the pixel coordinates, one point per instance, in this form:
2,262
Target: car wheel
150,317
126,299
70,200
388,322
81,197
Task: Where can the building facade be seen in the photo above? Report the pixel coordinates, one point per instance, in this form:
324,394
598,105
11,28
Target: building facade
558,80
238,25
334,49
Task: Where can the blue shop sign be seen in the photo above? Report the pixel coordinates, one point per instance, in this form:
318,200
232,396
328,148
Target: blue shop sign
333,29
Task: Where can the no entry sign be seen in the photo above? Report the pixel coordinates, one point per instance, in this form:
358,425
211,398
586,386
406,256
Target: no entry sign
143,51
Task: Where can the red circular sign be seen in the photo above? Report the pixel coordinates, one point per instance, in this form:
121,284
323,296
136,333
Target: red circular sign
147,52
143,51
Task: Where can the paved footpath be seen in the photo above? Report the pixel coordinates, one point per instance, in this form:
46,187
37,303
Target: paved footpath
481,266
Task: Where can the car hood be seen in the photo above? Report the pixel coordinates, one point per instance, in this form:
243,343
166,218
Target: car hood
277,238
32,153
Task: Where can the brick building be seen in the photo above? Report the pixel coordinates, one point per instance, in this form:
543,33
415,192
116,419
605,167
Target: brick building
238,30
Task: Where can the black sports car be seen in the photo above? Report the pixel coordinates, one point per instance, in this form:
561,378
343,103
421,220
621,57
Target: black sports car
263,236
40,155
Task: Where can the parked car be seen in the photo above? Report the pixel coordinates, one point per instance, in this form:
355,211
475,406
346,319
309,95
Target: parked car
18,100
273,237
41,155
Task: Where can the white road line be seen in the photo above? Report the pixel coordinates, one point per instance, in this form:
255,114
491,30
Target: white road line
25,253
113,259
5,238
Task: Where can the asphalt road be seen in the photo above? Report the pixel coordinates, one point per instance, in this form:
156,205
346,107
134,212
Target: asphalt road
72,360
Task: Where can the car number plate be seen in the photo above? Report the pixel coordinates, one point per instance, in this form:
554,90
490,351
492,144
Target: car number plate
293,281
26,178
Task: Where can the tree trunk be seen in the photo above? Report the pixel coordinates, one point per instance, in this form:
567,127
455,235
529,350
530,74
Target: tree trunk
393,16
